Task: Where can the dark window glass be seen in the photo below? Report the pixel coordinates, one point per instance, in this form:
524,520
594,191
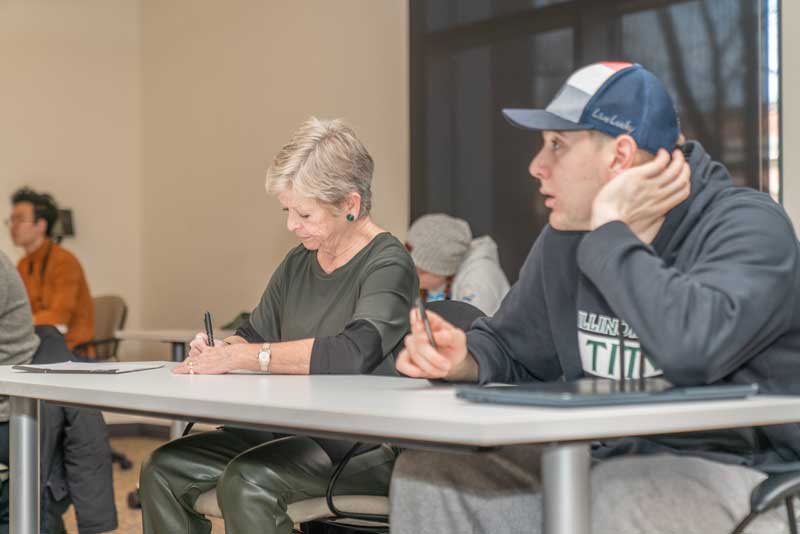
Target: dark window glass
699,50
446,14
470,59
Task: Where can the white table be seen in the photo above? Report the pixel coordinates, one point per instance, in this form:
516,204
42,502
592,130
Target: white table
178,339
408,412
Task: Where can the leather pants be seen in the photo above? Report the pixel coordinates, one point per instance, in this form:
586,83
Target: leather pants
255,481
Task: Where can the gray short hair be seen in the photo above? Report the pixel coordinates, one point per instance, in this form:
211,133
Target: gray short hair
324,160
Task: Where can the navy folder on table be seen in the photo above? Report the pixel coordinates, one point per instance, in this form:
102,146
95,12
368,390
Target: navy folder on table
588,392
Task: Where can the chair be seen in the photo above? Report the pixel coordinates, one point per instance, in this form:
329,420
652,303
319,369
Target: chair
110,312
459,314
780,487
360,513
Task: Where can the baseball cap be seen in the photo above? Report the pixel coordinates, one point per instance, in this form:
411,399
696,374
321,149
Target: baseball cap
613,98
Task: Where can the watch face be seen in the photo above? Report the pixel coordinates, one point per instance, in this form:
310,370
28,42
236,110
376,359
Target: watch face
263,360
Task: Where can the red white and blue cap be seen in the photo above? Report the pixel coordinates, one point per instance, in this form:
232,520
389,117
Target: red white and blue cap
614,98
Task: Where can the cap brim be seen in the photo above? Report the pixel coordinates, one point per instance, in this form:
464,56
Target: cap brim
540,119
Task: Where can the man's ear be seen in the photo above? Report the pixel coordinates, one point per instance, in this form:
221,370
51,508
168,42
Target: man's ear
625,149
41,225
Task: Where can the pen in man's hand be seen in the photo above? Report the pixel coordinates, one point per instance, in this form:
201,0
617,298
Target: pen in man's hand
423,316
209,328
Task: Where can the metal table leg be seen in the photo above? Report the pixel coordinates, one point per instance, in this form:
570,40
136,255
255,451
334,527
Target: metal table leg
565,480
178,351
178,355
24,468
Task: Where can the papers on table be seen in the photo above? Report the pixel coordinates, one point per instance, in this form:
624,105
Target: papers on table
108,368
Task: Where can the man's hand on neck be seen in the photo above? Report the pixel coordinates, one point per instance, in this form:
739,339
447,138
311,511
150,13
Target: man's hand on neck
641,196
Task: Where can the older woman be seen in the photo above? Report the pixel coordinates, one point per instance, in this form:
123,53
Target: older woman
338,303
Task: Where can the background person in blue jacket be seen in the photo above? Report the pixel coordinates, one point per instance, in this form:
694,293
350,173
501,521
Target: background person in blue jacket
702,276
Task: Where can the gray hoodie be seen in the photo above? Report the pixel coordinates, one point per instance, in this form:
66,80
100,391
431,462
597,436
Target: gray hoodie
17,339
480,280
715,299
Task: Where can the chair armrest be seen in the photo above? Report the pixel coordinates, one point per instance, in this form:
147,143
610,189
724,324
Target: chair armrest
774,490
81,347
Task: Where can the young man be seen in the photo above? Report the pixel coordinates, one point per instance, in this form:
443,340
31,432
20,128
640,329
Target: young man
53,277
701,276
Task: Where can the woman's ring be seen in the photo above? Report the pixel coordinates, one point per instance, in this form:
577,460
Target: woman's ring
191,367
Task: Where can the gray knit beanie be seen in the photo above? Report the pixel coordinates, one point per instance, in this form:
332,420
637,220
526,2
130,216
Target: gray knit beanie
439,243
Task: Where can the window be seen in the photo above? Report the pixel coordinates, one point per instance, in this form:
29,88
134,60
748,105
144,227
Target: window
718,58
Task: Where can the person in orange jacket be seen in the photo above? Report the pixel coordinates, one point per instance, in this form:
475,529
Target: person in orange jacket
53,277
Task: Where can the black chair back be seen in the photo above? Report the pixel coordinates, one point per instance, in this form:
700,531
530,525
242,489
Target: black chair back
459,314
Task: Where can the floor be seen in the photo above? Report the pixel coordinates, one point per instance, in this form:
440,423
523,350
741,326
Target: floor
130,520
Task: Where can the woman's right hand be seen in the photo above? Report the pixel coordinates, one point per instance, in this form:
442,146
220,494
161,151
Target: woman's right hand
197,344
420,360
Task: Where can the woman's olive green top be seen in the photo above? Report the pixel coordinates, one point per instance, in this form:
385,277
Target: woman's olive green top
357,314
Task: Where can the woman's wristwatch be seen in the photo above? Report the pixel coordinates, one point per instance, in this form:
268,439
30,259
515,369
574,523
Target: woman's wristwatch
264,357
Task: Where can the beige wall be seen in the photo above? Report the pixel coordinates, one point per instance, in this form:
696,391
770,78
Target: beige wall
225,85
790,71
155,122
71,125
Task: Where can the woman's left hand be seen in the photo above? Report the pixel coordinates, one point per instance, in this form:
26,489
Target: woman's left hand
210,361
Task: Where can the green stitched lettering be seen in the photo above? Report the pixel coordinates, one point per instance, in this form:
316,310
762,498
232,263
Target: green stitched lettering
632,361
612,358
594,344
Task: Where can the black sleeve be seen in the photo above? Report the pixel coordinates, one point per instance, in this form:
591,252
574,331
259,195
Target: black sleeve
249,334
357,350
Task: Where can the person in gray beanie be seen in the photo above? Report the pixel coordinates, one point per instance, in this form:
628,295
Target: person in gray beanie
451,265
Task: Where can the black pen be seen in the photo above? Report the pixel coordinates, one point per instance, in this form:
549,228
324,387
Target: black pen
209,328
425,323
